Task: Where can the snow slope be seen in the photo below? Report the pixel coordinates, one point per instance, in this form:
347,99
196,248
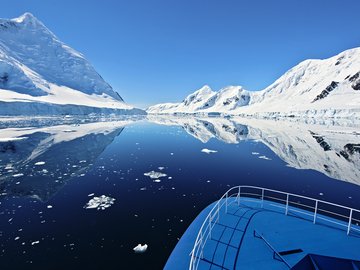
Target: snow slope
39,74
329,87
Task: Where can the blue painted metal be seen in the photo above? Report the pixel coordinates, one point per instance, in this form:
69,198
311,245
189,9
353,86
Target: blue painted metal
282,227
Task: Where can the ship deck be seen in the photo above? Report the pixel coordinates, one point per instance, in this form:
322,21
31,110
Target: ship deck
256,234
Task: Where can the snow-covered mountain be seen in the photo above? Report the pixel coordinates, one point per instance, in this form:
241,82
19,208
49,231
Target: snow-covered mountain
39,74
329,87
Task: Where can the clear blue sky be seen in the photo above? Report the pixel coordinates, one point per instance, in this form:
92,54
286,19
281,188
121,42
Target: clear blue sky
160,51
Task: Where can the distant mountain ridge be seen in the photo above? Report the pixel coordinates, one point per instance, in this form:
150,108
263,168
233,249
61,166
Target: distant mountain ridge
40,74
329,87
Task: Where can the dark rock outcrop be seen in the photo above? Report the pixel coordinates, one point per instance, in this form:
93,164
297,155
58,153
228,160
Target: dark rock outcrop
326,91
355,79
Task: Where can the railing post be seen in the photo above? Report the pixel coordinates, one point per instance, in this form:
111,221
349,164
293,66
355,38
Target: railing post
226,199
239,196
287,204
315,213
349,225
210,227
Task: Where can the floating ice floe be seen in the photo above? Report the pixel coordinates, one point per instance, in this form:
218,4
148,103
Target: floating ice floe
161,168
35,242
140,248
255,153
12,139
100,203
49,206
40,163
264,157
155,175
18,175
208,151
157,180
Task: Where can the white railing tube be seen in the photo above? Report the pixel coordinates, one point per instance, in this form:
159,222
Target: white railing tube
210,227
226,202
349,225
315,212
287,204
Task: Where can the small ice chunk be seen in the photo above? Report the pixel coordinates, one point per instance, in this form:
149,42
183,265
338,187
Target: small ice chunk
100,203
255,153
35,242
91,194
321,194
155,175
49,206
18,175
17,238
157,180
161,168
140,248
208,151
12,139
40,163
264,157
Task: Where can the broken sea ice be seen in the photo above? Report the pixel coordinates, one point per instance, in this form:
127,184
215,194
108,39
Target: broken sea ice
155,175
100,203
140,248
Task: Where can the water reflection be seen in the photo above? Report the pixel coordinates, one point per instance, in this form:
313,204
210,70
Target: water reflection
37,162
327,147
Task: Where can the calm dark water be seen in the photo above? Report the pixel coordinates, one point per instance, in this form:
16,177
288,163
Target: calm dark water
44,224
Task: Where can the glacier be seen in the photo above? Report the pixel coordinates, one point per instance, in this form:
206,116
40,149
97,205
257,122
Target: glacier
313,88
40,75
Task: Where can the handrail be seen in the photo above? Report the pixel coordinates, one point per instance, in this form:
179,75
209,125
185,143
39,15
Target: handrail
214,214
257,234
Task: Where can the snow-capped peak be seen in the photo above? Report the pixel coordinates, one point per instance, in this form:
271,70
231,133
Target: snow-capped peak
26,18
328,87
204,90
32,52
199,98
35,66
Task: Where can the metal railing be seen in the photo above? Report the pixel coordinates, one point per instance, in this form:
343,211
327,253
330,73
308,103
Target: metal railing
276,254
341,216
